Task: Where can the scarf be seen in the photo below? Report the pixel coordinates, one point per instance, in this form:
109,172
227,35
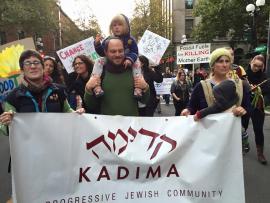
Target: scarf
34,86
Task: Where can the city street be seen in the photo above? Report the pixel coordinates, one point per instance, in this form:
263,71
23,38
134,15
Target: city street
257,176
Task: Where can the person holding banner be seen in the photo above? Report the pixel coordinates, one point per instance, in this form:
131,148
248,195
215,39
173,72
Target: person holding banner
36,93
260,86
180,92
118,84
119,27
202,95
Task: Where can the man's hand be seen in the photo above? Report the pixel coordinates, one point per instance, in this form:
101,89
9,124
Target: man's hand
92,83
185,112
6,117
140,83
80,111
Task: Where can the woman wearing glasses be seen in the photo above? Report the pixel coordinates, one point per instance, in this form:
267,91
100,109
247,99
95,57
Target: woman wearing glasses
260,86
83,67
36,93
180,92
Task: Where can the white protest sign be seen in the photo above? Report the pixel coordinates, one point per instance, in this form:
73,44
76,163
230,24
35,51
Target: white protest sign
193,53
94,158
68,54
153,46
165,86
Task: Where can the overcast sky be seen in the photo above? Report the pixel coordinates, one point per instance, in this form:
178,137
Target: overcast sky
104,10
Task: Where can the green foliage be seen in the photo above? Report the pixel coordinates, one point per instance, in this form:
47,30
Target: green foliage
141,19
147,15
220,18
31,15
89,26
41,17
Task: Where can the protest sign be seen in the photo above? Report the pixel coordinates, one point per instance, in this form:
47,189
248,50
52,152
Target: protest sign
95,158
152,46
165,86
193,53
9,64
68,54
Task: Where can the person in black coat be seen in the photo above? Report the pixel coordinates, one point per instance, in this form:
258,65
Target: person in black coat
180,92
77,80
150,75
260,86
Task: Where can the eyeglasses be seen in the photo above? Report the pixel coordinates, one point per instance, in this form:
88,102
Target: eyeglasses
29,64
79,63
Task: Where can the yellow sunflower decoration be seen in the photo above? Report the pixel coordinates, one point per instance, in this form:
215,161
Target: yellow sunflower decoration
9,60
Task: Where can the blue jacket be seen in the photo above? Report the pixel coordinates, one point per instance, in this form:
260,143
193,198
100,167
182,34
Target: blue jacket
53,100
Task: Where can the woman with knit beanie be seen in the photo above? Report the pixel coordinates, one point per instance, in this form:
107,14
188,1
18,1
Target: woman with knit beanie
260,86
202,95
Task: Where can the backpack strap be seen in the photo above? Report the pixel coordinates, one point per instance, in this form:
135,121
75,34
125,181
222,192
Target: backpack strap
239,90
208,92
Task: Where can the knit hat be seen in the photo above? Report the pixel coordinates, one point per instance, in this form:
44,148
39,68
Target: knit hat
218,53
225,97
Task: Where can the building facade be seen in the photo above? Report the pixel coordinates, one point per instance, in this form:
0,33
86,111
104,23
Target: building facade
66,34
183,23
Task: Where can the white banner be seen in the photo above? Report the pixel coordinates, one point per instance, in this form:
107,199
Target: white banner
68,54
193,53
68,158
153,46
165,86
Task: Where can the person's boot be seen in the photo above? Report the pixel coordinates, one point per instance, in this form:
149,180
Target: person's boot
98,91
245,143
260,155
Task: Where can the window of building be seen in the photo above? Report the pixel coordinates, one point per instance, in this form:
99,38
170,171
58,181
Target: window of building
21,34
3,38
188,27
189,4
